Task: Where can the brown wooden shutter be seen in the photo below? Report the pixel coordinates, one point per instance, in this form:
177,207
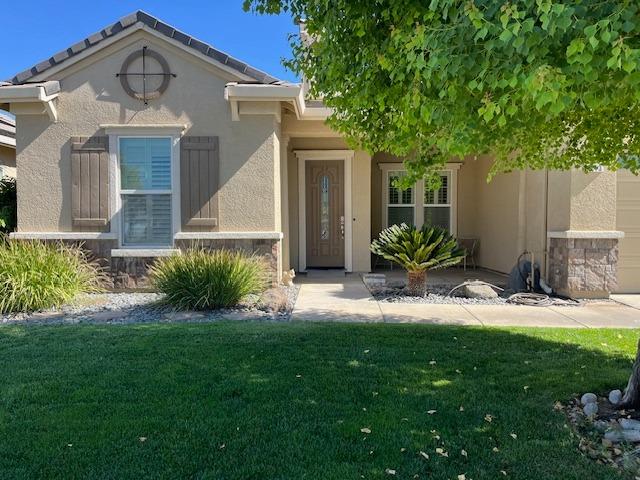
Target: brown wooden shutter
90,183
199,182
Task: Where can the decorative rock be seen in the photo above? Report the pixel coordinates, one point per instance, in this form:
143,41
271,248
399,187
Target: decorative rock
629,424
590,409
479,291
623,436
588,398
375,279
615,396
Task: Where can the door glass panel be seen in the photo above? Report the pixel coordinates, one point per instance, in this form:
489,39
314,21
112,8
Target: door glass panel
324,208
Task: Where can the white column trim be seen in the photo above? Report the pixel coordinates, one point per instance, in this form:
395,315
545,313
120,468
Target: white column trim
304,156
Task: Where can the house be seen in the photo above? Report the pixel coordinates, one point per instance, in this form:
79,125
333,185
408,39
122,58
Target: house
7,145
141,140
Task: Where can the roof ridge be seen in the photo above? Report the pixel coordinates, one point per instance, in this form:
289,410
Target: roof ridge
156,24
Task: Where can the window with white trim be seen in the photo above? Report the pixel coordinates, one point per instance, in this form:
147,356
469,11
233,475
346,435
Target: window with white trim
400,203
146,191
416,205
437,204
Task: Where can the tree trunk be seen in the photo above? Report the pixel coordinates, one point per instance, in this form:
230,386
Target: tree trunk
417,283
631,397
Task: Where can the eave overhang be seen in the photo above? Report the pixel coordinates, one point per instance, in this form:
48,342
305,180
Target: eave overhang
293,94
42,94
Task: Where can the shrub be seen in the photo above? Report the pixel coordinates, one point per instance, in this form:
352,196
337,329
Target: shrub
200,280
8,204
418,250
36,276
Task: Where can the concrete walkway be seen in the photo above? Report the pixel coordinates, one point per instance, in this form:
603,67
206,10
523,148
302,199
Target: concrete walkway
347,299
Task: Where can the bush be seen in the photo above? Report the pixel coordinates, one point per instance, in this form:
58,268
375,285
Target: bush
200,280
417,251
36,276
8,204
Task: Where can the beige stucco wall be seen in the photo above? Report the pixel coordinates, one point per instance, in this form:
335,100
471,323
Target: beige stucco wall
506,215
91,95
360,199
8,160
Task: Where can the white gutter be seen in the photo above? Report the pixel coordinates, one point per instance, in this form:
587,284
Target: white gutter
33,92
293,94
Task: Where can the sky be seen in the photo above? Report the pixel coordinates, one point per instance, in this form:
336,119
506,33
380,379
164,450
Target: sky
36,30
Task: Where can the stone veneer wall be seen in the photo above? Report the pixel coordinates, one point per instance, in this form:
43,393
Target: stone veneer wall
583,267
131,273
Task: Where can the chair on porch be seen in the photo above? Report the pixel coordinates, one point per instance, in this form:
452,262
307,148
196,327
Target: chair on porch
471,247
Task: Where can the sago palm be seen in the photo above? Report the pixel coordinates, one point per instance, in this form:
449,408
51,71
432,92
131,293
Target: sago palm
417,251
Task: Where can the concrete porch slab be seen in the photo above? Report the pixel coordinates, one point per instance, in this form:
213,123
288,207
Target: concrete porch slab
345,300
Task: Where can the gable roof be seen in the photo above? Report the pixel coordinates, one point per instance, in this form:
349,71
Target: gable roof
157,25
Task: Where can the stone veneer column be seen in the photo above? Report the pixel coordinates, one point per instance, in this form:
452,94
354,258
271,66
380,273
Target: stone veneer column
582,238
584,267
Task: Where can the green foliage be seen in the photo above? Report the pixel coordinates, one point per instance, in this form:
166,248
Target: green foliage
540,84
418,250
200,280
8,205
35,275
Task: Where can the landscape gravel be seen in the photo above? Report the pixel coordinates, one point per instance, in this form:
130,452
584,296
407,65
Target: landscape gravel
137,307
436,294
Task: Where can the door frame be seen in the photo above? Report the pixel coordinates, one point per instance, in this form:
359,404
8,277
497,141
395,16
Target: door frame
347,157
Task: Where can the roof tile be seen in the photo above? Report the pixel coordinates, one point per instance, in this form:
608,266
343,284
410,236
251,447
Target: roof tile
161,27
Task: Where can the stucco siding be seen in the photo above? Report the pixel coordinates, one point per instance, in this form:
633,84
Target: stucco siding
92,95
360,197
628,221
8,161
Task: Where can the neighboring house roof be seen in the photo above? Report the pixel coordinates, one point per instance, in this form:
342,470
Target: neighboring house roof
157,25
7,130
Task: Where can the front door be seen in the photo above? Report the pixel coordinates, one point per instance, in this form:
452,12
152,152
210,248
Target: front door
325,213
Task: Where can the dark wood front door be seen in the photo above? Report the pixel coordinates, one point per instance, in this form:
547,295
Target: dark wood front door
325,213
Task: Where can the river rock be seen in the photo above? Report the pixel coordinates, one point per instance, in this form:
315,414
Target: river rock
623,436
483,292
588,398
615,396
590,409
629,424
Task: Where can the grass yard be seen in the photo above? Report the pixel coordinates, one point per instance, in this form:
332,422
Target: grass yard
288,401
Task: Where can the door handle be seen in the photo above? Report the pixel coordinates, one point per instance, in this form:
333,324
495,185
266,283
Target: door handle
342,227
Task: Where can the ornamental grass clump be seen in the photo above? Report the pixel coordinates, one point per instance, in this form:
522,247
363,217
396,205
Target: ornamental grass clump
36,275
417,251
199,279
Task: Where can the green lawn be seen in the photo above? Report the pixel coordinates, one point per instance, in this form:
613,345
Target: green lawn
288,401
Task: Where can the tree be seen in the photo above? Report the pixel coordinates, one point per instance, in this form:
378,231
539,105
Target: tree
537,83
418,250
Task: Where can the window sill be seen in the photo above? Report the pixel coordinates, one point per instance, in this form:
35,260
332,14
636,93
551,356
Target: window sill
144,252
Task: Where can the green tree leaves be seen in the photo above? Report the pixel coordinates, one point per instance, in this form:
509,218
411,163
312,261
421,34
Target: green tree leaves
540,84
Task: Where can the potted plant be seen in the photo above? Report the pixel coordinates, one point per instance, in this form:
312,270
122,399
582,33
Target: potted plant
417,251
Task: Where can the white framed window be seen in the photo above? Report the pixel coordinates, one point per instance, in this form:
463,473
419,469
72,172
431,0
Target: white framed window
400,203
416,205
146,191
437,204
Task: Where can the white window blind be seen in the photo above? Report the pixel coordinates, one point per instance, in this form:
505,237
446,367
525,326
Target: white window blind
145,182
437,204
400,203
